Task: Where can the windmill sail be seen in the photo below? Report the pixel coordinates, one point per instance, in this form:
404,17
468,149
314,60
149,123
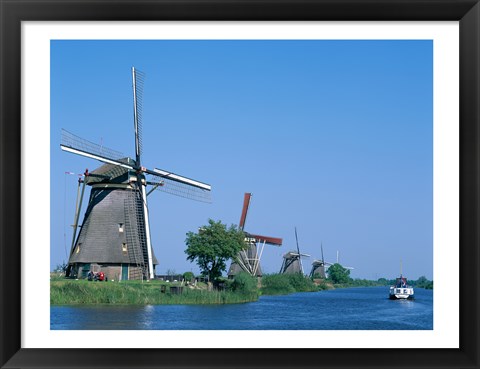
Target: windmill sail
138,79
80,146
298,250
246,204
168,185
144,231
275,241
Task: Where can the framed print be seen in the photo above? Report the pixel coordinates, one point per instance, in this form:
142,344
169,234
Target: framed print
355,125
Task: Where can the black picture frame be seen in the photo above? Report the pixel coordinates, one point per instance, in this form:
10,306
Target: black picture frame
12,13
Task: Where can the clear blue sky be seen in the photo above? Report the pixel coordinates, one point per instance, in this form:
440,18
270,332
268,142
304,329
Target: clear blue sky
333,137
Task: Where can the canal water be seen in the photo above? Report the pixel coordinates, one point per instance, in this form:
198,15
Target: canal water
341,309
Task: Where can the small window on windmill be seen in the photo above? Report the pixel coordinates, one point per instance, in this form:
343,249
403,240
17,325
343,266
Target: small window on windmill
120,227
78,248
124,248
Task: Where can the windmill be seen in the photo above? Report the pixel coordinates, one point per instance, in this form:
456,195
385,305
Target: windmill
319,266
248,260
115,233
292,261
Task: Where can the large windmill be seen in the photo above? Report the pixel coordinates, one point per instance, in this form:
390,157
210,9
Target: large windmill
248,260
292,261
115,233
319,267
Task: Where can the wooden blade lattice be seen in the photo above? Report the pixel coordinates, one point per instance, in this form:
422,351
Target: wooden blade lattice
139,82
76,142
180,189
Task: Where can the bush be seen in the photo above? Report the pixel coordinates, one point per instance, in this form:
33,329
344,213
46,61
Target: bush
276,284
244,283
301,284
281,284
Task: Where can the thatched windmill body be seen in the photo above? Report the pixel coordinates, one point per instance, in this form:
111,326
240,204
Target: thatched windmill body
115,234
248,260
292,260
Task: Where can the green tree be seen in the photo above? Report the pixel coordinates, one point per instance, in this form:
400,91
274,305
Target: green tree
188,276
338,274
213,245
423,282
382,281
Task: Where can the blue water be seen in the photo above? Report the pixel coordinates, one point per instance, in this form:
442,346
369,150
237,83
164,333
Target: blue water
341,309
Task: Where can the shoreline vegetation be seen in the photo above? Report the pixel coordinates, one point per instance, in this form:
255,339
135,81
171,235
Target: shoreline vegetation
242,289
211,248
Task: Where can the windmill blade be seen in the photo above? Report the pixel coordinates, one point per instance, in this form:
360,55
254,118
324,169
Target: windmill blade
298,249
96,157
77,145
246,204
296,239
138,79
179,189
269,240
164,174
325,263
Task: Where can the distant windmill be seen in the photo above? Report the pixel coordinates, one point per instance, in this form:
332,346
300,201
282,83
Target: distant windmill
319,267
115,234
248,260
292,261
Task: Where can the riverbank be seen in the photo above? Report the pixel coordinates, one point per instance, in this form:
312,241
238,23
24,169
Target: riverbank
81,292
243,289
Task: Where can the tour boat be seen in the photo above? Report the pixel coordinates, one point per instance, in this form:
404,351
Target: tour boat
401,290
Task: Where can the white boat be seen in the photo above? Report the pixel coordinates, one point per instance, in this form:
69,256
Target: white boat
401,290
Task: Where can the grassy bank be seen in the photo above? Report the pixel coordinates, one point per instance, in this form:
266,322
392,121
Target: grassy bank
67,292
243,289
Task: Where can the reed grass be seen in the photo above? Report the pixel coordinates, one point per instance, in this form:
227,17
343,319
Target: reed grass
81,292
242,289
